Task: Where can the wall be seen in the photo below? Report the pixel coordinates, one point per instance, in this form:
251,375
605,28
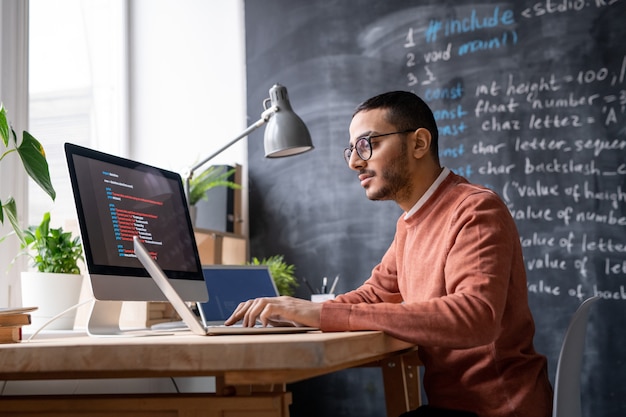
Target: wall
530,99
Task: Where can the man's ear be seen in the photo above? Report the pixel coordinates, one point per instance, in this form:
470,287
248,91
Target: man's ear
421,142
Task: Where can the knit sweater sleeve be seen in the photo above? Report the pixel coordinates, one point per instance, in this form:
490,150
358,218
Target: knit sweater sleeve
381,287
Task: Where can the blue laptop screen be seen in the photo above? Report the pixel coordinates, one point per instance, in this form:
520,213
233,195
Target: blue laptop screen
230,285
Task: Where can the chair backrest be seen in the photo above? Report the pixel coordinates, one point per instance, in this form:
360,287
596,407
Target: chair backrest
568,370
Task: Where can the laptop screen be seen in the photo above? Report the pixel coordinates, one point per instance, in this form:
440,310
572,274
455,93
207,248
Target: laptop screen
230,285
117,199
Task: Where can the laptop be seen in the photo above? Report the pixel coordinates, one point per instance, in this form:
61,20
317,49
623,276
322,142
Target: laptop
186,314
229,285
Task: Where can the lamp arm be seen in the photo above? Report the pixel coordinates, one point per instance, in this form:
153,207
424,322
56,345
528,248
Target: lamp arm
265,116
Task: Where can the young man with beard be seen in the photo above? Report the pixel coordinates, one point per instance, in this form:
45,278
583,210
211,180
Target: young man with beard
452,282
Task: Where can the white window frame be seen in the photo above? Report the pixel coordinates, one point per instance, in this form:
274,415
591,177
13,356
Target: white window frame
14,95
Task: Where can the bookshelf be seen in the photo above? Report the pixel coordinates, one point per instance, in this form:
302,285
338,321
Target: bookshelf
221,247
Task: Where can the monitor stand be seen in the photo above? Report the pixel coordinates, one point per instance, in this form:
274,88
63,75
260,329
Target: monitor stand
104,321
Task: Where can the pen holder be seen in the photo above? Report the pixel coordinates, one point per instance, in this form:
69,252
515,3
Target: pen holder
320,298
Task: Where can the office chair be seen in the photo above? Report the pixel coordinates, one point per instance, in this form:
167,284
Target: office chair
567,381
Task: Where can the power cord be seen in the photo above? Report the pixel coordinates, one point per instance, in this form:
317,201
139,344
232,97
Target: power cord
175,385
75,306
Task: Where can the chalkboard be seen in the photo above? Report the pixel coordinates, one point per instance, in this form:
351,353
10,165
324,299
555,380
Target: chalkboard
530,98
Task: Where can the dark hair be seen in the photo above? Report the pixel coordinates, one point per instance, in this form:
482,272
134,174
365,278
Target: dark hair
405,111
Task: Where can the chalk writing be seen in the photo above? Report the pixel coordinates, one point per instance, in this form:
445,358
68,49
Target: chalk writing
471,23
550,7
506,38
442,93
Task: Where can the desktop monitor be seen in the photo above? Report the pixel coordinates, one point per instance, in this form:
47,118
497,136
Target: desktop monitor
116,199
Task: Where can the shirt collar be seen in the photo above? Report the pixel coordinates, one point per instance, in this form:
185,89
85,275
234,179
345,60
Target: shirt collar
444,173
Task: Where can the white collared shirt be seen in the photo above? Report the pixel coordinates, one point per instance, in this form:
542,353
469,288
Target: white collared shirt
428,193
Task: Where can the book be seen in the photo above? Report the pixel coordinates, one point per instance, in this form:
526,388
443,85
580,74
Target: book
10,334
17,319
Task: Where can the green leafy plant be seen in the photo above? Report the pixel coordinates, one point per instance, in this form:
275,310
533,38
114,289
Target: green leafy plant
214,176
52,250
282,272
34,161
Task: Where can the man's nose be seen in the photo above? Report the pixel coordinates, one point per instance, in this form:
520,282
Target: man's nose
355,163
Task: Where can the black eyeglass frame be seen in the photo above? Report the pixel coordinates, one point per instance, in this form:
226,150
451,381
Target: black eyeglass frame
347,152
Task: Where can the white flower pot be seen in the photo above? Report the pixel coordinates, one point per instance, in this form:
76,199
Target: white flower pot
53,294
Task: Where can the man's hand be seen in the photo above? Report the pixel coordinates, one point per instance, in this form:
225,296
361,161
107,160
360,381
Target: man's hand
277,311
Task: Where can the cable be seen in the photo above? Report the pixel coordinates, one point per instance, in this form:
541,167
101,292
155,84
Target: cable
175,385
75,306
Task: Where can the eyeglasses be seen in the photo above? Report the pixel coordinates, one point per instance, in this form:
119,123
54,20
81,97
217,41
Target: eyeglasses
363,145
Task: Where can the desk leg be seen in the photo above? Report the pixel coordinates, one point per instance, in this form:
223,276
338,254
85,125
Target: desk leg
402,384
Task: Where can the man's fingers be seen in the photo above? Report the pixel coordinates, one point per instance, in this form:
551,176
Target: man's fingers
239,312
253,312
281,311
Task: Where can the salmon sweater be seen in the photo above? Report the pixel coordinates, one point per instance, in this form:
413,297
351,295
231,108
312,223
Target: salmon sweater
453,282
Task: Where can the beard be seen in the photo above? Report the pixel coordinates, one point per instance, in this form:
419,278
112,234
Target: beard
396,183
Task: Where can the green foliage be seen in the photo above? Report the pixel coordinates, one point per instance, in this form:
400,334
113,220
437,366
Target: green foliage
52,250
214,176
282,273
34,161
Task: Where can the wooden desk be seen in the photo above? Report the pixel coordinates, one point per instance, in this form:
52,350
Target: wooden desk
251,371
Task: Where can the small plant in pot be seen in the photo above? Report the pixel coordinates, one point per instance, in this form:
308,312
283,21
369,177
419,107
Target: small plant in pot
282,273
52,250
213,176
56,284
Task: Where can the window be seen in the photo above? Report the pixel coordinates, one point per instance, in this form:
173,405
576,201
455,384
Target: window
77,88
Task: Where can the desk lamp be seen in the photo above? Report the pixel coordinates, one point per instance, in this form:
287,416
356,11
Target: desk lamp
285,135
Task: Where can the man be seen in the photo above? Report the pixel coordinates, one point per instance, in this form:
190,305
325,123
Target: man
453,280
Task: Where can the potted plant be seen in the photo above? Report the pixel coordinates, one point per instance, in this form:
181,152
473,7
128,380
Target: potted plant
213,176
56,284
34,161
52,250
282,273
